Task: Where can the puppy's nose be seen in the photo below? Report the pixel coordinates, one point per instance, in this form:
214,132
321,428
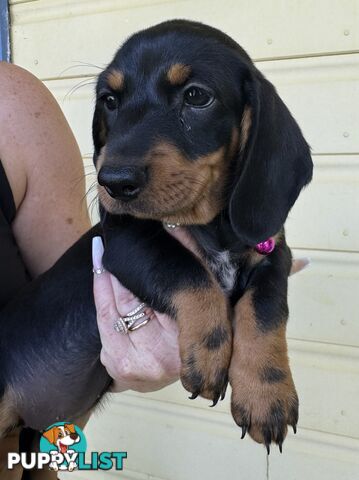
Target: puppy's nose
73,436
125,183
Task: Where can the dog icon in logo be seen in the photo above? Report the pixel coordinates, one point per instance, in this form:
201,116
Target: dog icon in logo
63,437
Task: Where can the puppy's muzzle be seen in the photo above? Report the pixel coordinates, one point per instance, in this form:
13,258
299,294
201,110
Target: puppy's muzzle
123,183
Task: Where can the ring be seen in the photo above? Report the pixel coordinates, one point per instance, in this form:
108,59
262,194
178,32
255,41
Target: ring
172,226
98,271
129,322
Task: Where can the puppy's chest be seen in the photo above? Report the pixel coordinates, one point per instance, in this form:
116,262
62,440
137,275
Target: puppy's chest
223,262
224,268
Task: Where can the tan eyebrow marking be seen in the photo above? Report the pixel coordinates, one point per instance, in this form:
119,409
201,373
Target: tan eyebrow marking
246,124
178,73
115,79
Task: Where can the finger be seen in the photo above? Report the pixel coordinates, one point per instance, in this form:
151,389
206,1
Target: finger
124,299
126,302
103,292
167,323
149,334
184,237
104,298
299,264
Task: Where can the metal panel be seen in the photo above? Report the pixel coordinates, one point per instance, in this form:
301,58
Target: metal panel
91,30
4,31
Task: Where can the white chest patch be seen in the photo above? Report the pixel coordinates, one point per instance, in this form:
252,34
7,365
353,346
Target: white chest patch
226,272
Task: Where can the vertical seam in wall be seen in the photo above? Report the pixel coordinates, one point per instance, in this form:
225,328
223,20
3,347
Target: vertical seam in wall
267,467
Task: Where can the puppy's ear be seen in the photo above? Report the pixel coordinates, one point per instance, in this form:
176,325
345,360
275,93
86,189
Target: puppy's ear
70,427
274,164
50,435
99,130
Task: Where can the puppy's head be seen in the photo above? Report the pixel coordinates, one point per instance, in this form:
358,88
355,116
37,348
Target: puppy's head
185,127
62,436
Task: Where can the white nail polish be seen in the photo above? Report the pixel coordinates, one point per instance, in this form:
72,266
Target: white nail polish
97,252
307,262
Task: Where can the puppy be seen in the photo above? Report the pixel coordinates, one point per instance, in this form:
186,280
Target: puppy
186,132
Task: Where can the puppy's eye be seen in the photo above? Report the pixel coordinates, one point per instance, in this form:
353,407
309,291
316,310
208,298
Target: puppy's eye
60,435
110,101
197,97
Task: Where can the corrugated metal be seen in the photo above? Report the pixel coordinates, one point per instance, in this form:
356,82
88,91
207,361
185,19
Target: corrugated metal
310,50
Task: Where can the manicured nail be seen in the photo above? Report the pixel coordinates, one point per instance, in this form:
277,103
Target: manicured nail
97,252
306,262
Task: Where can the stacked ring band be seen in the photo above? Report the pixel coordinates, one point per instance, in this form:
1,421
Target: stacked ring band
133,320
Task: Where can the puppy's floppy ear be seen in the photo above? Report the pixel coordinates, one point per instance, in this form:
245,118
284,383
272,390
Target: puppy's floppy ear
70,427
50,435
274,164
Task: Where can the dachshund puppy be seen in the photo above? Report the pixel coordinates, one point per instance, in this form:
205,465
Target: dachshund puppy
186,132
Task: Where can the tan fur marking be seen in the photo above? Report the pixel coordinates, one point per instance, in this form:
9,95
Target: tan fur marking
181,191
254,350
101,158
178,73
199,312
246,124
8,416
233,146
116,80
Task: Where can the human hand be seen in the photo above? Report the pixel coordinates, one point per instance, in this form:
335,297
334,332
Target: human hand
144,360
299,264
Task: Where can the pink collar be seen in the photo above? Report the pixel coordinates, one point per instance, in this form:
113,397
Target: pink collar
266,247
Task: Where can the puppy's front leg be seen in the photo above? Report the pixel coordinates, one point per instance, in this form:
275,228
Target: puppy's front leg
169,278
264,399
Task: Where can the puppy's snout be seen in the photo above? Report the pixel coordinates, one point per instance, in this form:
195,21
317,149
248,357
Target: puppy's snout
124,183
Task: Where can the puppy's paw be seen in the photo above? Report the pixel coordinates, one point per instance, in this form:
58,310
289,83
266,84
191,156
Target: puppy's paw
264,402
205,340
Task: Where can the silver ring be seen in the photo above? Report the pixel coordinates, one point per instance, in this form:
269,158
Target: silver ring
129,322
120,326
98,271
135,310
172,225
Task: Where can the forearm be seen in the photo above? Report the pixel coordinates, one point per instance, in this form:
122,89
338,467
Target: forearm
44,168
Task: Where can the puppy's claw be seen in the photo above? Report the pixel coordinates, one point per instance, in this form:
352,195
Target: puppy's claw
294,428
193,396
223,394
268,448
280,445
244,431
215,401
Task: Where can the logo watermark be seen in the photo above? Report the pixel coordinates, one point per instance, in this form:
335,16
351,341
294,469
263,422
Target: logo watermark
63,447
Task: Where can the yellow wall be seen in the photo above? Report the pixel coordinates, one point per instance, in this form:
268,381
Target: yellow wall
310,50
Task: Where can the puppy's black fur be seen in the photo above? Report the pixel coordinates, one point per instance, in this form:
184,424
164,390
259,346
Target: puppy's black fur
185,130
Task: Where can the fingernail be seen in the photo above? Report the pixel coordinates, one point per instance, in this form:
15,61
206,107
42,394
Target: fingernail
97,252
306,262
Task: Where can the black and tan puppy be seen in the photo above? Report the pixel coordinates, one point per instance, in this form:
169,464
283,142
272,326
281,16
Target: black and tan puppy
186,131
